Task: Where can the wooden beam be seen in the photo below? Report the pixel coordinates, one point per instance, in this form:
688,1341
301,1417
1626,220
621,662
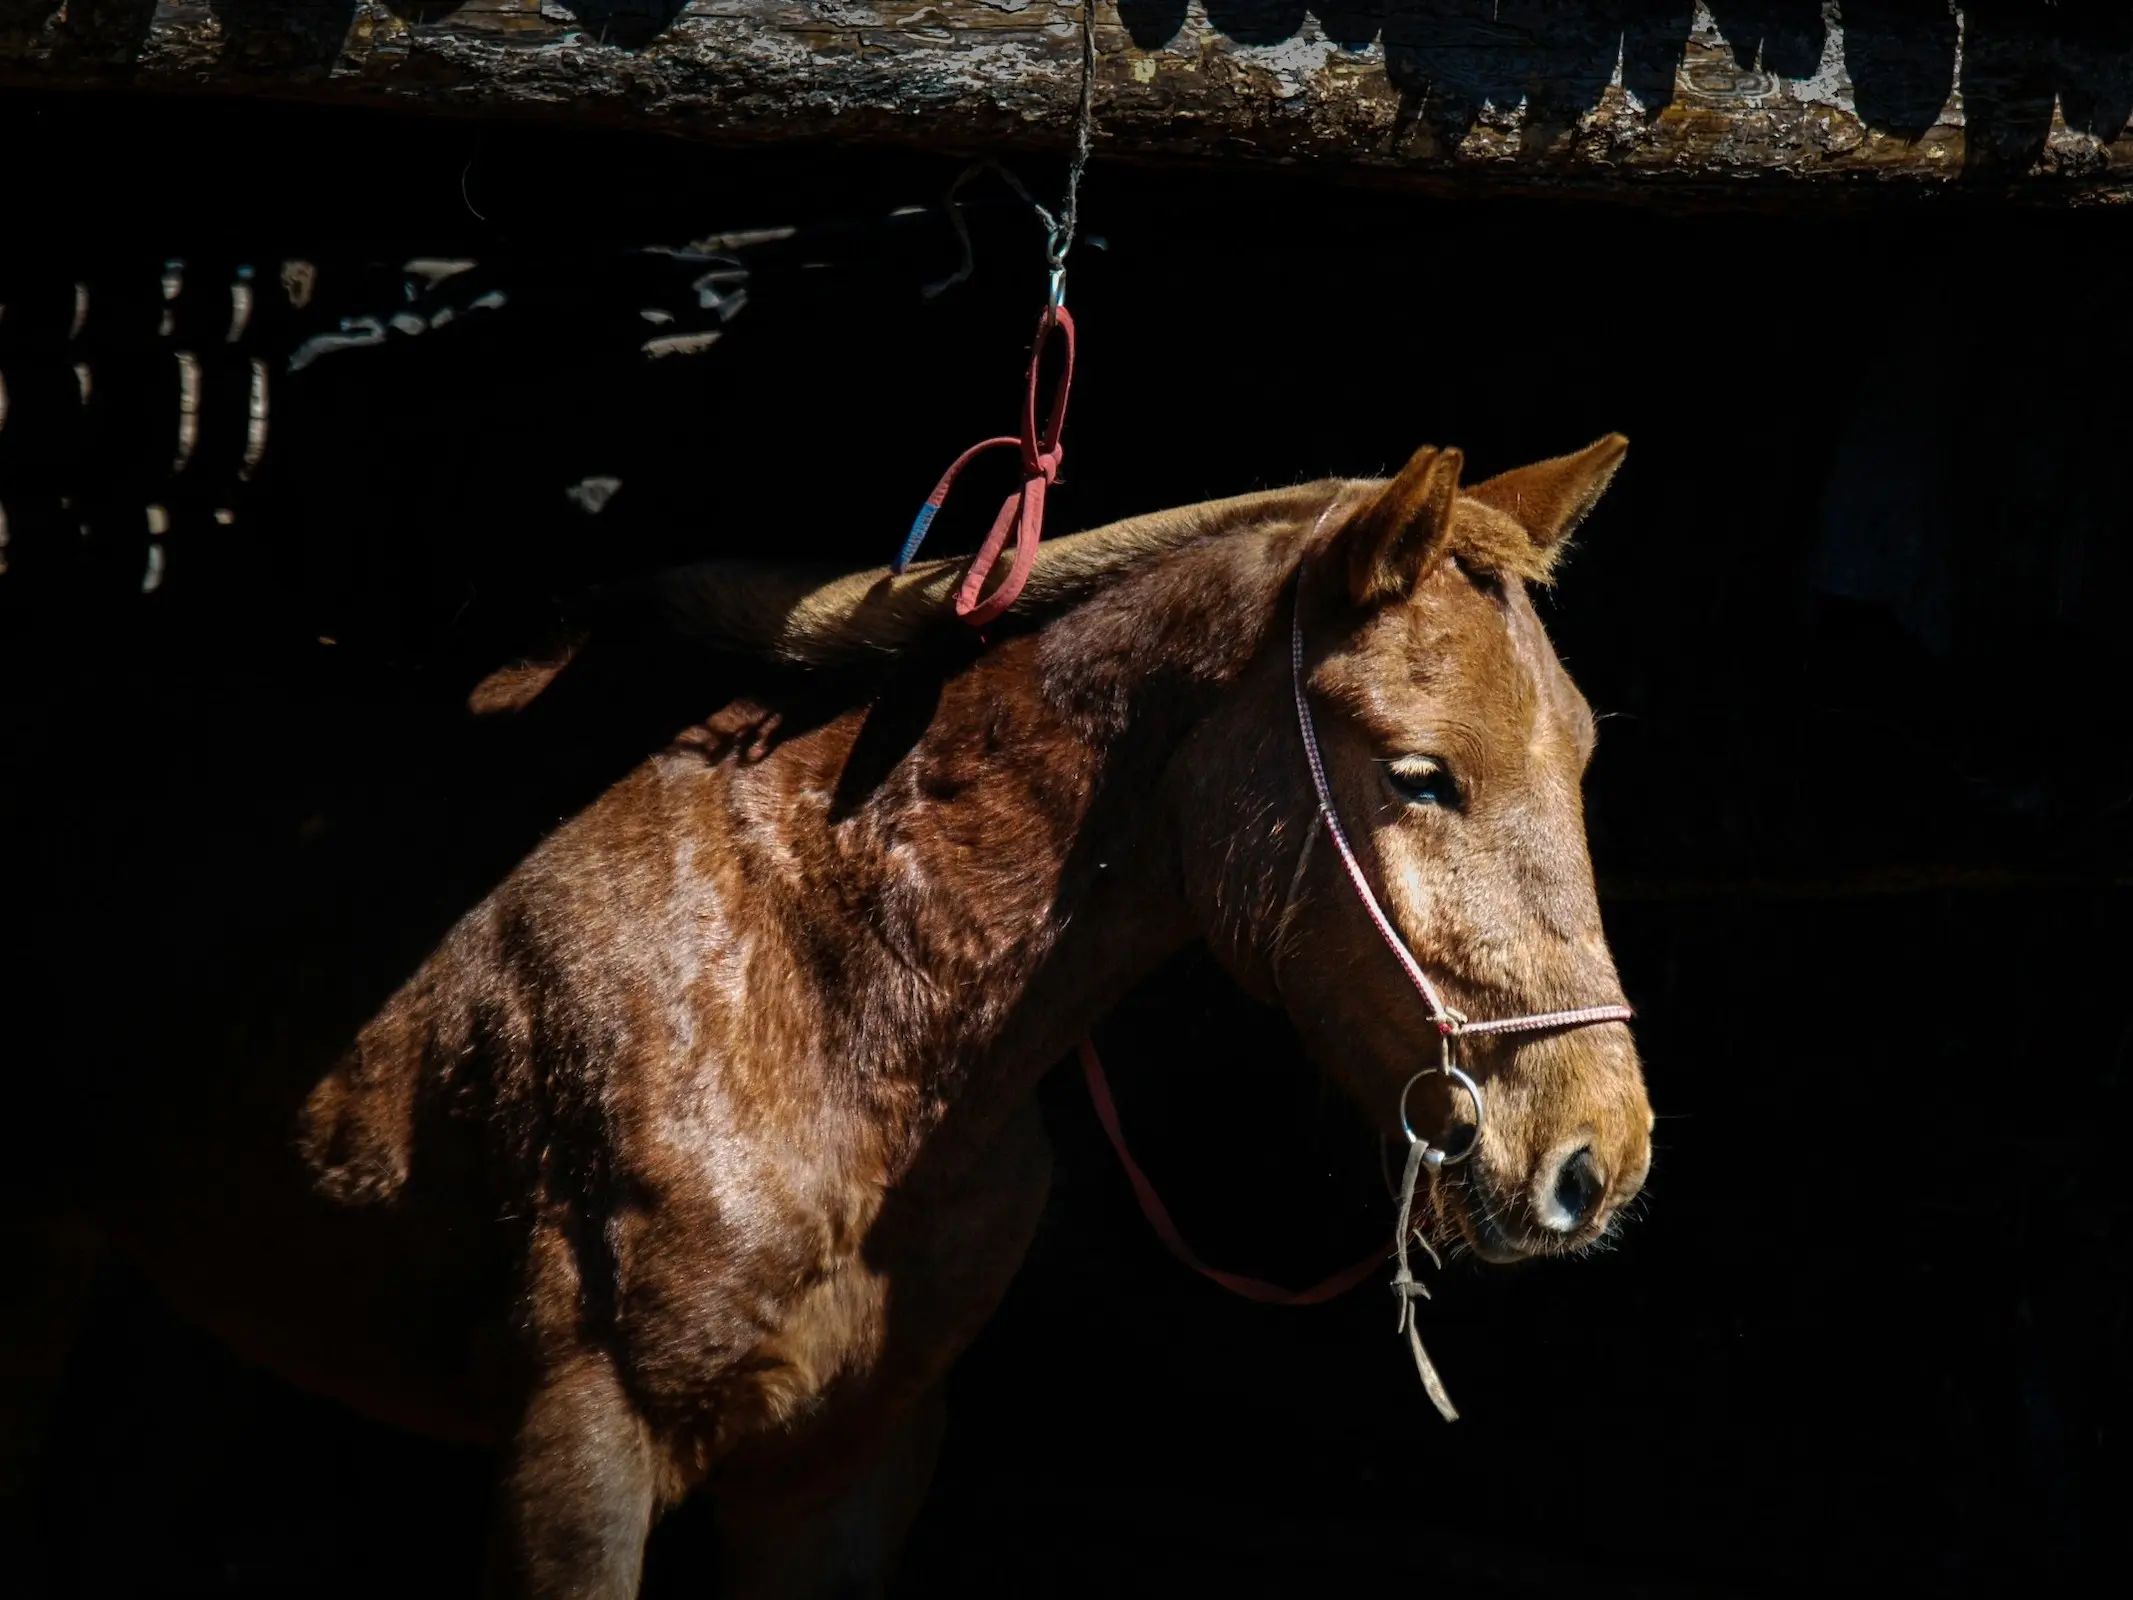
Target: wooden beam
1764,97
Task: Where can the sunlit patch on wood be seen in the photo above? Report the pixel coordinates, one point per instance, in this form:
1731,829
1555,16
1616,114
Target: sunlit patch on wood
255,422
240,305
188,410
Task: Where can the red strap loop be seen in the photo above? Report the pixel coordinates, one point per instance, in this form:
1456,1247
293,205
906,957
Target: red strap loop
1158,1215
1022,513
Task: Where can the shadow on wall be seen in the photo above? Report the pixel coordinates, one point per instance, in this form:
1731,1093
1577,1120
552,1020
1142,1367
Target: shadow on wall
1903,57
2012,60
627,24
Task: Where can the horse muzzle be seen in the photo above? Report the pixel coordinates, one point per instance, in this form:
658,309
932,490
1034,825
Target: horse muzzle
1569,1198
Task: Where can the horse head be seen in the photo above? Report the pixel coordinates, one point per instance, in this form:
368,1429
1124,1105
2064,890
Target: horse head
1454,749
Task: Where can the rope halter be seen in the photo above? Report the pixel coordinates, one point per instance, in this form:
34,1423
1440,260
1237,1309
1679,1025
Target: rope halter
1451,1024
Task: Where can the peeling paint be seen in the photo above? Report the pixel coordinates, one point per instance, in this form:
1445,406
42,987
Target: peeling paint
1829,84
1293,63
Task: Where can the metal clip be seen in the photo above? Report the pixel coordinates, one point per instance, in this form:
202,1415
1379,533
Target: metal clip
1481,1116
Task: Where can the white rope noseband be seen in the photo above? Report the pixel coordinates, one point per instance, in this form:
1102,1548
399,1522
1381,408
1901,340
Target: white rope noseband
1451,1023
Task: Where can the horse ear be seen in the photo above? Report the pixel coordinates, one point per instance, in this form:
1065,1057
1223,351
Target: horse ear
1550,498
1400,534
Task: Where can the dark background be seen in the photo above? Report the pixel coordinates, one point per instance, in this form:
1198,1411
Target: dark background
1851,615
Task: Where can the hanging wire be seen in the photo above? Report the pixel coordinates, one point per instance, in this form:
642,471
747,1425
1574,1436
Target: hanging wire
1061,238
1059,228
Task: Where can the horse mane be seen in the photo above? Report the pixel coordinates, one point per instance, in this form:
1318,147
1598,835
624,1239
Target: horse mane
802,617
796,616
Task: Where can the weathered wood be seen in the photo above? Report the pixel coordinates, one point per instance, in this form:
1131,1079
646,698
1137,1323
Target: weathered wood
1914,94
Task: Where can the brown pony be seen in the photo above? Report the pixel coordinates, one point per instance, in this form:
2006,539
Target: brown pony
700,1147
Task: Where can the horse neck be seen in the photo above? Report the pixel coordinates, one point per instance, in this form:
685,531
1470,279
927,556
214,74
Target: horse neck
1057,860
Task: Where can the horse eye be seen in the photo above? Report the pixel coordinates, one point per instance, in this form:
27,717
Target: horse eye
1421,781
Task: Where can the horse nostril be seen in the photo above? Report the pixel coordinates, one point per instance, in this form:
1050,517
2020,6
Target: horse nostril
1577,1190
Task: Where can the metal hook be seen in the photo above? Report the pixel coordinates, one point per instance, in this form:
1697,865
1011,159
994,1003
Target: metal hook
1431,1155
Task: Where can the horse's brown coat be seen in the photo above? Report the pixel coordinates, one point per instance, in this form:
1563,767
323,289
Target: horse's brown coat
701,1146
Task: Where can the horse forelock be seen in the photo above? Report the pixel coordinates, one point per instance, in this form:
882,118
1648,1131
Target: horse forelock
1493,542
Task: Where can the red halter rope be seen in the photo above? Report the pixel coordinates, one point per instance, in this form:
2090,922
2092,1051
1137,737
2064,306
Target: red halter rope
1023,511
1158,1214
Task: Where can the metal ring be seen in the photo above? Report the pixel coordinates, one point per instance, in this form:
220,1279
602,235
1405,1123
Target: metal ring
1451,1070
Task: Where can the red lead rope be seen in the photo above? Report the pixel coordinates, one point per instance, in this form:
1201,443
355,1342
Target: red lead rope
1158,1215
1023,511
